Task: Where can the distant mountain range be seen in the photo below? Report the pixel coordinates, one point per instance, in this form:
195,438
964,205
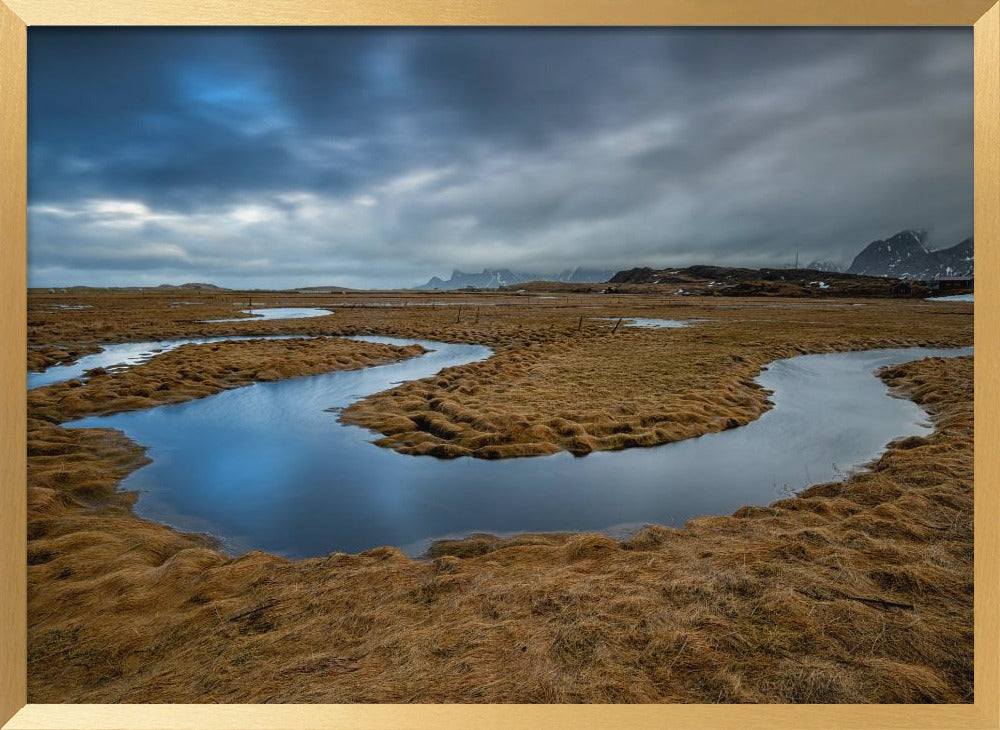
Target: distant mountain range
194,286
905,256
496,278
825,266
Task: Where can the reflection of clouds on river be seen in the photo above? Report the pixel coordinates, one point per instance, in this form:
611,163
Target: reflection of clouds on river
126,354
330,489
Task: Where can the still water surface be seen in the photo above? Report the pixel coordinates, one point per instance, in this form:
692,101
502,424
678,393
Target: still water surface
126,354
271,313
954,298
650,323
269,467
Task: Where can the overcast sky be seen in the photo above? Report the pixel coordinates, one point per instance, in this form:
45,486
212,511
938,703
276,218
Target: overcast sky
377,158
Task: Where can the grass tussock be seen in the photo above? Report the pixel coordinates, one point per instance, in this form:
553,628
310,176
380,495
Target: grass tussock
41,357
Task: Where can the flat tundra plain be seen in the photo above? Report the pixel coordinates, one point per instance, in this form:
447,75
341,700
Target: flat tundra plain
856,591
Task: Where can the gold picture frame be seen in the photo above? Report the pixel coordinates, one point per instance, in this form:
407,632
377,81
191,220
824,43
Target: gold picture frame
16,15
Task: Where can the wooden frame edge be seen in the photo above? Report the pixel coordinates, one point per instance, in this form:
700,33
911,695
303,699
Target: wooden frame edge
13,415
493,717
986,222
501,12
16,15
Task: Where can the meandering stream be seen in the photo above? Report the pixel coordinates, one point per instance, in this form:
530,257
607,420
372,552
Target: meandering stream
126,354
269,467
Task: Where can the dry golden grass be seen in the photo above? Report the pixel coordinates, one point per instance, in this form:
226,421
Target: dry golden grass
852,592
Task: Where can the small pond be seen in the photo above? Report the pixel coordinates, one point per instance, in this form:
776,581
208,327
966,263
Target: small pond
650,323
270,313
953,298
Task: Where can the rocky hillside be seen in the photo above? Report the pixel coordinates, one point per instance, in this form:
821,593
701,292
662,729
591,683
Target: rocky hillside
905,256
726,281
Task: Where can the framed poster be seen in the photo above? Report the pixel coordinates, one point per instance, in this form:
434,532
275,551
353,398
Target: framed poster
538,366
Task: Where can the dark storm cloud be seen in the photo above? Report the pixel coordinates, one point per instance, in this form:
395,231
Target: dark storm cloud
379,157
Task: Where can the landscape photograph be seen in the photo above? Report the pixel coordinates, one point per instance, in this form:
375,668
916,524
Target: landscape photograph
500,365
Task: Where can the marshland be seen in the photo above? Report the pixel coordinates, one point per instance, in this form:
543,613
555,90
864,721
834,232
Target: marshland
858,588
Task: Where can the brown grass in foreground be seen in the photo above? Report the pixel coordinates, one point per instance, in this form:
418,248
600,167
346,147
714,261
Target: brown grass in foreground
853,592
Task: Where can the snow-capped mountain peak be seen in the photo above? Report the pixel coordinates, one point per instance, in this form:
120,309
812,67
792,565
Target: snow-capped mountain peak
906,256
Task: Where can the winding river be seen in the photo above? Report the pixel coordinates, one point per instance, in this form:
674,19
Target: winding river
268,466
126,354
